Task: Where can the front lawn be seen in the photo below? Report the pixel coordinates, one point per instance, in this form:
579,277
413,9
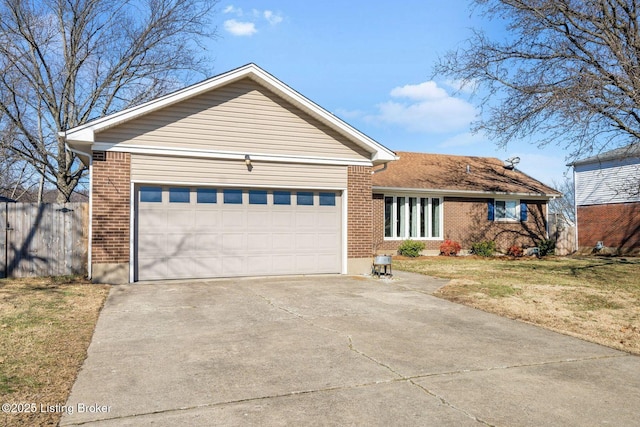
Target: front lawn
597,299
46,325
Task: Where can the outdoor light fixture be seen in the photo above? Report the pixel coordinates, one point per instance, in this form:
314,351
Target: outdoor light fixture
247,161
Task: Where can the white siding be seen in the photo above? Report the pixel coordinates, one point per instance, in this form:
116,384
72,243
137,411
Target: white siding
607,182
240,117
160,169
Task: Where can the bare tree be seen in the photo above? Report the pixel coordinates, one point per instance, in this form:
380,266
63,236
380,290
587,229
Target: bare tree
64,62
564,206
567,70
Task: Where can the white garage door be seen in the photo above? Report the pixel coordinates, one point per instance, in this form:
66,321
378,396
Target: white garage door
184,232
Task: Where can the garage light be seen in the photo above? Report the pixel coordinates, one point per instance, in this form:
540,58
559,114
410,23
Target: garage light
247,161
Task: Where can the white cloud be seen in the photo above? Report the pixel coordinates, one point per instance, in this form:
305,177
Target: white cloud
238,28
423,91
428,108
272,18
232,9
249,23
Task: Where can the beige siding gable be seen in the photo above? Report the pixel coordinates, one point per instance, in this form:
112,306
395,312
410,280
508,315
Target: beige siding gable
241,117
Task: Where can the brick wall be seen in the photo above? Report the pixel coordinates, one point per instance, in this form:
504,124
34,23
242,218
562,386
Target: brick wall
111,208
465,220
360,222
617,225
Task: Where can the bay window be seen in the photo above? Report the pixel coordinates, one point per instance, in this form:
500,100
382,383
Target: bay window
412,217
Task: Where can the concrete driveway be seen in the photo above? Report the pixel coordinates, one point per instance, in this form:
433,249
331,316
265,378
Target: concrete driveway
336,350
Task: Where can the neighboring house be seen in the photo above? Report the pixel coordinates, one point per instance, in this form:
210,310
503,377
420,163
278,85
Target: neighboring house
433,197
607,189
238,175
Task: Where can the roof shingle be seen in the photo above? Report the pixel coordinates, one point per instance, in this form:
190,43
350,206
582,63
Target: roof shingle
457,173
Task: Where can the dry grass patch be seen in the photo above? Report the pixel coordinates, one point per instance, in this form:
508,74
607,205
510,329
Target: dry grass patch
597,299
46,325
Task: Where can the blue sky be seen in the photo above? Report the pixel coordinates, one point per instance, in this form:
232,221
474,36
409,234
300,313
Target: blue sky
370,63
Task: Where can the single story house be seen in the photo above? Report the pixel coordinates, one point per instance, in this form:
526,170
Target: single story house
241,175
607,199
433,197
238,175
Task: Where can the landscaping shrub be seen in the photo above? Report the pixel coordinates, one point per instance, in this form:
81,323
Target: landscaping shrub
515,251
485,248
411,248
546,247
450,248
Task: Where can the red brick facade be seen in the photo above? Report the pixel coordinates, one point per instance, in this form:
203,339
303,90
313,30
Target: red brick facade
111,208
616,225
465,220
359,223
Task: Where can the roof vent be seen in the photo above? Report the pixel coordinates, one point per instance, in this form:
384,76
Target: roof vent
511,162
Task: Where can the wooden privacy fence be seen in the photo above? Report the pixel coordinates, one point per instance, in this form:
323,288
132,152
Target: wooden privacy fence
48,239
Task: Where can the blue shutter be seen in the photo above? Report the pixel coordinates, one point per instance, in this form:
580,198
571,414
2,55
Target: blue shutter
491,210
523,211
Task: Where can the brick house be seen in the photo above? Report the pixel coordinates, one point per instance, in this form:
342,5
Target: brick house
238,175
608,201
241,175
433,197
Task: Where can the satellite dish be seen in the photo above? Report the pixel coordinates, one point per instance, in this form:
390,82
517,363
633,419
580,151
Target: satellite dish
511,162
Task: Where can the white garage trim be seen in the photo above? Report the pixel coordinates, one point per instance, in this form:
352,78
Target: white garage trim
228,155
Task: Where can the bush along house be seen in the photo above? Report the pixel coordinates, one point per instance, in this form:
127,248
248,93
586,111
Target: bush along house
435,197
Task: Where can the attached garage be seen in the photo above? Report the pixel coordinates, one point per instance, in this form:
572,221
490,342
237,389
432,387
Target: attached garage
238,175
187,232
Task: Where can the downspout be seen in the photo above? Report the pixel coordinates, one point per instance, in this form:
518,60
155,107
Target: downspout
90,228
382,169
6,239
547,219
575,208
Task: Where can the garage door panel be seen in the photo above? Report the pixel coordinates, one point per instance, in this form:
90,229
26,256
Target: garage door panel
283,242
258,219
282,220
154,268
152,244
326,242
206,219
306,219
153,220
233,219
257,265
180,267
306,263
326,263
306,241
234,243
179,243
233,266
218,239
207,266
210,242
180,218
260,242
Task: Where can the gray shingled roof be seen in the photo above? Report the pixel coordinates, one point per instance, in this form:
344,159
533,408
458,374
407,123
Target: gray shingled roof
629,151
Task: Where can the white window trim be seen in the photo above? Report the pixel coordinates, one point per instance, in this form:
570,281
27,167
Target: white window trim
495,210
407,231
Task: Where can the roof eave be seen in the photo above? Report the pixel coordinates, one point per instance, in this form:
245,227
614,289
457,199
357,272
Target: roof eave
462,193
